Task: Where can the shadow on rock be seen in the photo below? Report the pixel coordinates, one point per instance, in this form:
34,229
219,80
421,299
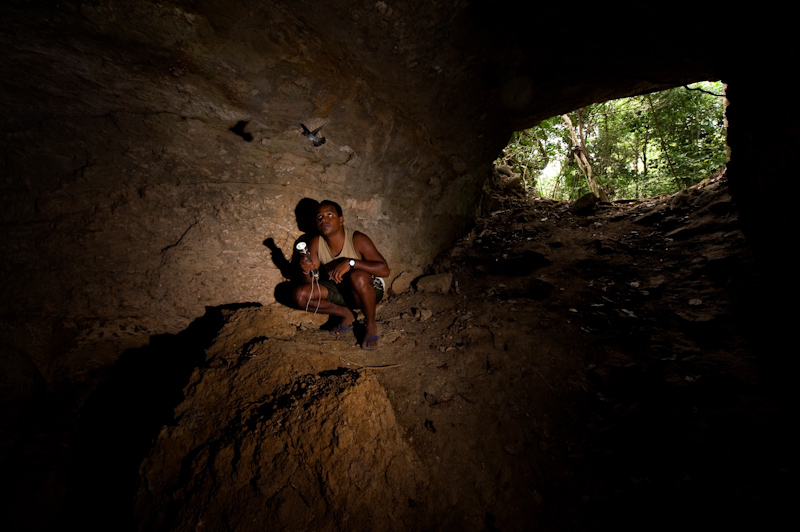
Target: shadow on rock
305,215
124,415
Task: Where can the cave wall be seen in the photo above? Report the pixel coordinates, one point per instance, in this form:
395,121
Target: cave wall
131,202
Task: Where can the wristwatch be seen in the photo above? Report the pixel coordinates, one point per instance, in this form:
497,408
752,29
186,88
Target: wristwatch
352,263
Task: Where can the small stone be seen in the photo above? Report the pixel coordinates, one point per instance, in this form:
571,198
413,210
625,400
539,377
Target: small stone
584,205
423,314
435,283
401,283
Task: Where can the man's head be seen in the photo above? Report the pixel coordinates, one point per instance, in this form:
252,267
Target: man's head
333,204
329,218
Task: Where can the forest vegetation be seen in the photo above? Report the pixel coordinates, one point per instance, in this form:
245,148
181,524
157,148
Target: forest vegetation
642,146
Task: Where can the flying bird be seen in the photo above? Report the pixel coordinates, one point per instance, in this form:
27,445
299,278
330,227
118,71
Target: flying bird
312,135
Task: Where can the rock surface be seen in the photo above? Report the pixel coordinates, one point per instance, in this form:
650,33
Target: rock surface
153,169
150,149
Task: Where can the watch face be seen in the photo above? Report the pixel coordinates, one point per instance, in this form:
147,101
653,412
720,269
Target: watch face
352,263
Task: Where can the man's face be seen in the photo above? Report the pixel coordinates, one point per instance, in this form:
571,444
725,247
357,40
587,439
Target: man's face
328,220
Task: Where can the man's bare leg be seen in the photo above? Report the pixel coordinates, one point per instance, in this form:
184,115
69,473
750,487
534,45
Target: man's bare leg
313,299
360,283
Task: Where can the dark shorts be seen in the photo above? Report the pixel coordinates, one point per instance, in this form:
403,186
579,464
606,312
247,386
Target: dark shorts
345,300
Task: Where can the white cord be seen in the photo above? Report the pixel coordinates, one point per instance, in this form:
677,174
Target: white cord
302,247
314,280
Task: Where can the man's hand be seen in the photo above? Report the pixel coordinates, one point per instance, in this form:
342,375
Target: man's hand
305,263
337,273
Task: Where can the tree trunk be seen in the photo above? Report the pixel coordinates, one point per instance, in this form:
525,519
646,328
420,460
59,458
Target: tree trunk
582,158
679,182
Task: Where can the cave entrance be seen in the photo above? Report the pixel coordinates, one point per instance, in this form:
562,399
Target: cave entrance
636,147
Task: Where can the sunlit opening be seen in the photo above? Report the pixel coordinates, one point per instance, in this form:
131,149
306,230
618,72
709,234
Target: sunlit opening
636,147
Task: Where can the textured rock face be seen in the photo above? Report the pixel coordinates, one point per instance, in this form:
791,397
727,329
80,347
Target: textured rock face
150,149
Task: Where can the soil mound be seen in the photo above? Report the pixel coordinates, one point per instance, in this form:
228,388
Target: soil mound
271,436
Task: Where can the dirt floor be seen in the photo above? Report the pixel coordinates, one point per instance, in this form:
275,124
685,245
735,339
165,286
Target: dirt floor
582,372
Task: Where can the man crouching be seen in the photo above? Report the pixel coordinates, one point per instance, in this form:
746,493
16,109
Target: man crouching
354,270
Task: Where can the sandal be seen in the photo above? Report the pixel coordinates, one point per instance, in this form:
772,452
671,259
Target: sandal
339,329
368,340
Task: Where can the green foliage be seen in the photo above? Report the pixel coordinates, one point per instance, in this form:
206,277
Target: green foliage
638,147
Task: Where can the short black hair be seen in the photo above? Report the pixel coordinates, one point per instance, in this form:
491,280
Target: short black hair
332,204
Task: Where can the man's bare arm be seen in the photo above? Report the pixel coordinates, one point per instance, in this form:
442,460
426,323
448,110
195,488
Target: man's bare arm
371,259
